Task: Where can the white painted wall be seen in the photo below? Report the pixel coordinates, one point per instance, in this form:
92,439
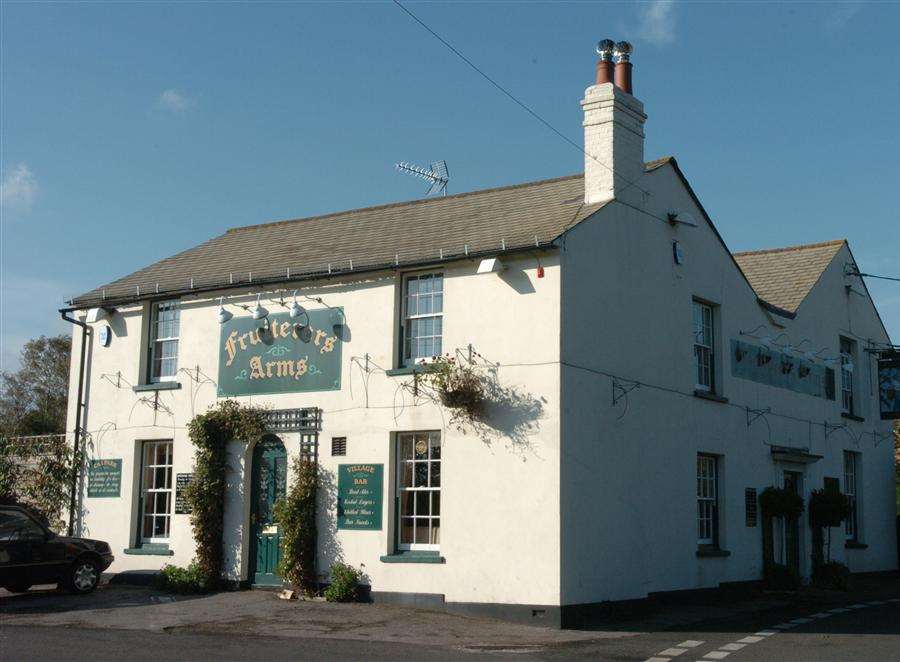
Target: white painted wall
628,472
498,494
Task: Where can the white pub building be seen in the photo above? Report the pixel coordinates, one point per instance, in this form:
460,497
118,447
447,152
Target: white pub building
646,384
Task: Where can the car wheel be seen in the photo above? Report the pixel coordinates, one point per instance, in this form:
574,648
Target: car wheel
18,588
84,575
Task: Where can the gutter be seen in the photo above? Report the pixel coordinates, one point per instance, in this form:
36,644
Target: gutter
79,412
76,304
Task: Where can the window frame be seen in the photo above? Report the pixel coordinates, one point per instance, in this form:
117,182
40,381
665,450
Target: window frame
851,491
145,491
154,342
712,517
406,318
848,401
709,347
400,462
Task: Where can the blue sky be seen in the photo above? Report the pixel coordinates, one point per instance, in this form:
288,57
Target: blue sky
131,131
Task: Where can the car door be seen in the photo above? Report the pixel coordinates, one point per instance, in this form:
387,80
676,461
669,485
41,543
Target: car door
26,554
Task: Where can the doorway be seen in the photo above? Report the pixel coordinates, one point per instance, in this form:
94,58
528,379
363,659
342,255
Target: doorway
793,481
268,484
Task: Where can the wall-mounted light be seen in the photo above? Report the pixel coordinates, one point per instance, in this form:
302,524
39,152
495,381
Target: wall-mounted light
258,311
224,315
491,265
296,309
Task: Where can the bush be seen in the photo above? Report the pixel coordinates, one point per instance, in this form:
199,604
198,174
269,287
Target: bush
296,514
779,577
344,583
832,575
174,579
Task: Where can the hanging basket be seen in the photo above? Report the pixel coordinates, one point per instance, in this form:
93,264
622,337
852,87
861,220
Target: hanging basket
780,502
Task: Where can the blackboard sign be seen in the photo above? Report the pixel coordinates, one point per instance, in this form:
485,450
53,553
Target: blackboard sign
360,496
181,505
104,478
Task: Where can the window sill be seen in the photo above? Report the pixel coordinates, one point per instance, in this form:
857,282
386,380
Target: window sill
413,557
150,550
712,552
159,386
853,544
852,417
408,370
706,395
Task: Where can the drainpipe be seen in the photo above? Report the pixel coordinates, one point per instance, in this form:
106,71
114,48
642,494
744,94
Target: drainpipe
79,412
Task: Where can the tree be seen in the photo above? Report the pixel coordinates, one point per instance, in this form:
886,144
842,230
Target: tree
33,400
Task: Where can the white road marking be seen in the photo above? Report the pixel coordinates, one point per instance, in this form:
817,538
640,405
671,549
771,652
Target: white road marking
821,614
839,610
858,606
673,652
749,640
732,647
716,655
690,643
894,600
765,633
784,626
875,603
658,659
800,621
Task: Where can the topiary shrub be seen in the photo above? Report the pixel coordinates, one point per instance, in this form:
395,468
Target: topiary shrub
344,583
182,580
780,502
828,508
832,575
296,515
210,433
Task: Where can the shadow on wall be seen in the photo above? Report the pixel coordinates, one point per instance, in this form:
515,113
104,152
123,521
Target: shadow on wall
518,280
326,506
509,414
236,509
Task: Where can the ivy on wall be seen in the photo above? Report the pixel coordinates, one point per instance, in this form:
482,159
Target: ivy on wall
210,433
296,515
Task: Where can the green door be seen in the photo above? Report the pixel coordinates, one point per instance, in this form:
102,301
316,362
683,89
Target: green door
268,485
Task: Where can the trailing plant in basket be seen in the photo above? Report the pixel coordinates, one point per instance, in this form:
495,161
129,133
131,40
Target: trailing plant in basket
210,433
828,508
780,502
459,387
296,515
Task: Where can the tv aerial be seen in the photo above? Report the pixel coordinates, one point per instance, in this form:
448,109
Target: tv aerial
437,174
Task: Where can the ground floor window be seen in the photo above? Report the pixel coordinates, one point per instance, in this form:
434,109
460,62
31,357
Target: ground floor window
707,499
851,482
419,490
156,491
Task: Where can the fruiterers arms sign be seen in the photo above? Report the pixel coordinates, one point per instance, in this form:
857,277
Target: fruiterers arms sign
286,355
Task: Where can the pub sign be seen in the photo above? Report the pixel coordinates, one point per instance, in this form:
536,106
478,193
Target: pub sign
281,354
889,385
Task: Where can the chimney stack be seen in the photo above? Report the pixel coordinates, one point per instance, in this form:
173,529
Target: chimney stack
613,129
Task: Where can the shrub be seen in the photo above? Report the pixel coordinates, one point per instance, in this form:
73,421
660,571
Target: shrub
779,577
175,579
832,575
296,515
344,583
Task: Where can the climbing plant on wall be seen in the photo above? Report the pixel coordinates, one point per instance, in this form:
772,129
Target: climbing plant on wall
296,515
210,433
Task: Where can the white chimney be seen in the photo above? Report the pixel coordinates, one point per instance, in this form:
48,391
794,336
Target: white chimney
613,130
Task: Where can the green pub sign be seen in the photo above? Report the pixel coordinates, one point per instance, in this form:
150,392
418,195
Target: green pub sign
281,354
104,478
360,496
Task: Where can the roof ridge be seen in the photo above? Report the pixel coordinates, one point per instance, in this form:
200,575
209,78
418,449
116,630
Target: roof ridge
405,203
798,247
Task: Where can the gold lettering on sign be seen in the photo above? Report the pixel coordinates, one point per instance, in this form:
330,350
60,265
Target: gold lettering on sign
319,335
301,369
329,345
243,342
256,370
254,337
284,368
285,327
230,348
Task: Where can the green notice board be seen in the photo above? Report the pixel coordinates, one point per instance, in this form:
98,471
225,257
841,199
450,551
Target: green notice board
360,496
282,355
104,478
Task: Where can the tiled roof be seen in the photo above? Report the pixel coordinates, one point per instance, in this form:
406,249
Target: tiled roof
784,276
401,234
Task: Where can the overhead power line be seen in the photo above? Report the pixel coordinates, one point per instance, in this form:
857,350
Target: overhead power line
513,97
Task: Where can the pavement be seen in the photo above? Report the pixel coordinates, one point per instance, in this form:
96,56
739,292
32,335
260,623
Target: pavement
141,623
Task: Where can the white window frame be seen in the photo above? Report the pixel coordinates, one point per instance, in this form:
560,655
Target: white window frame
703,320
847,350
406,486
148,492
409,319
851,490
157,341
707,499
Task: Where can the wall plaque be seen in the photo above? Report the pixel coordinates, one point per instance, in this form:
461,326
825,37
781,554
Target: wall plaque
182,507
360,496
282,354
104,478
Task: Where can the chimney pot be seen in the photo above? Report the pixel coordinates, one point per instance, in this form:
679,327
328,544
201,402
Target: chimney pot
622,56
605,50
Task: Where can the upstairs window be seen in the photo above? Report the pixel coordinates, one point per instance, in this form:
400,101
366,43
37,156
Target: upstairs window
423,317
163,341
848,351
704,347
